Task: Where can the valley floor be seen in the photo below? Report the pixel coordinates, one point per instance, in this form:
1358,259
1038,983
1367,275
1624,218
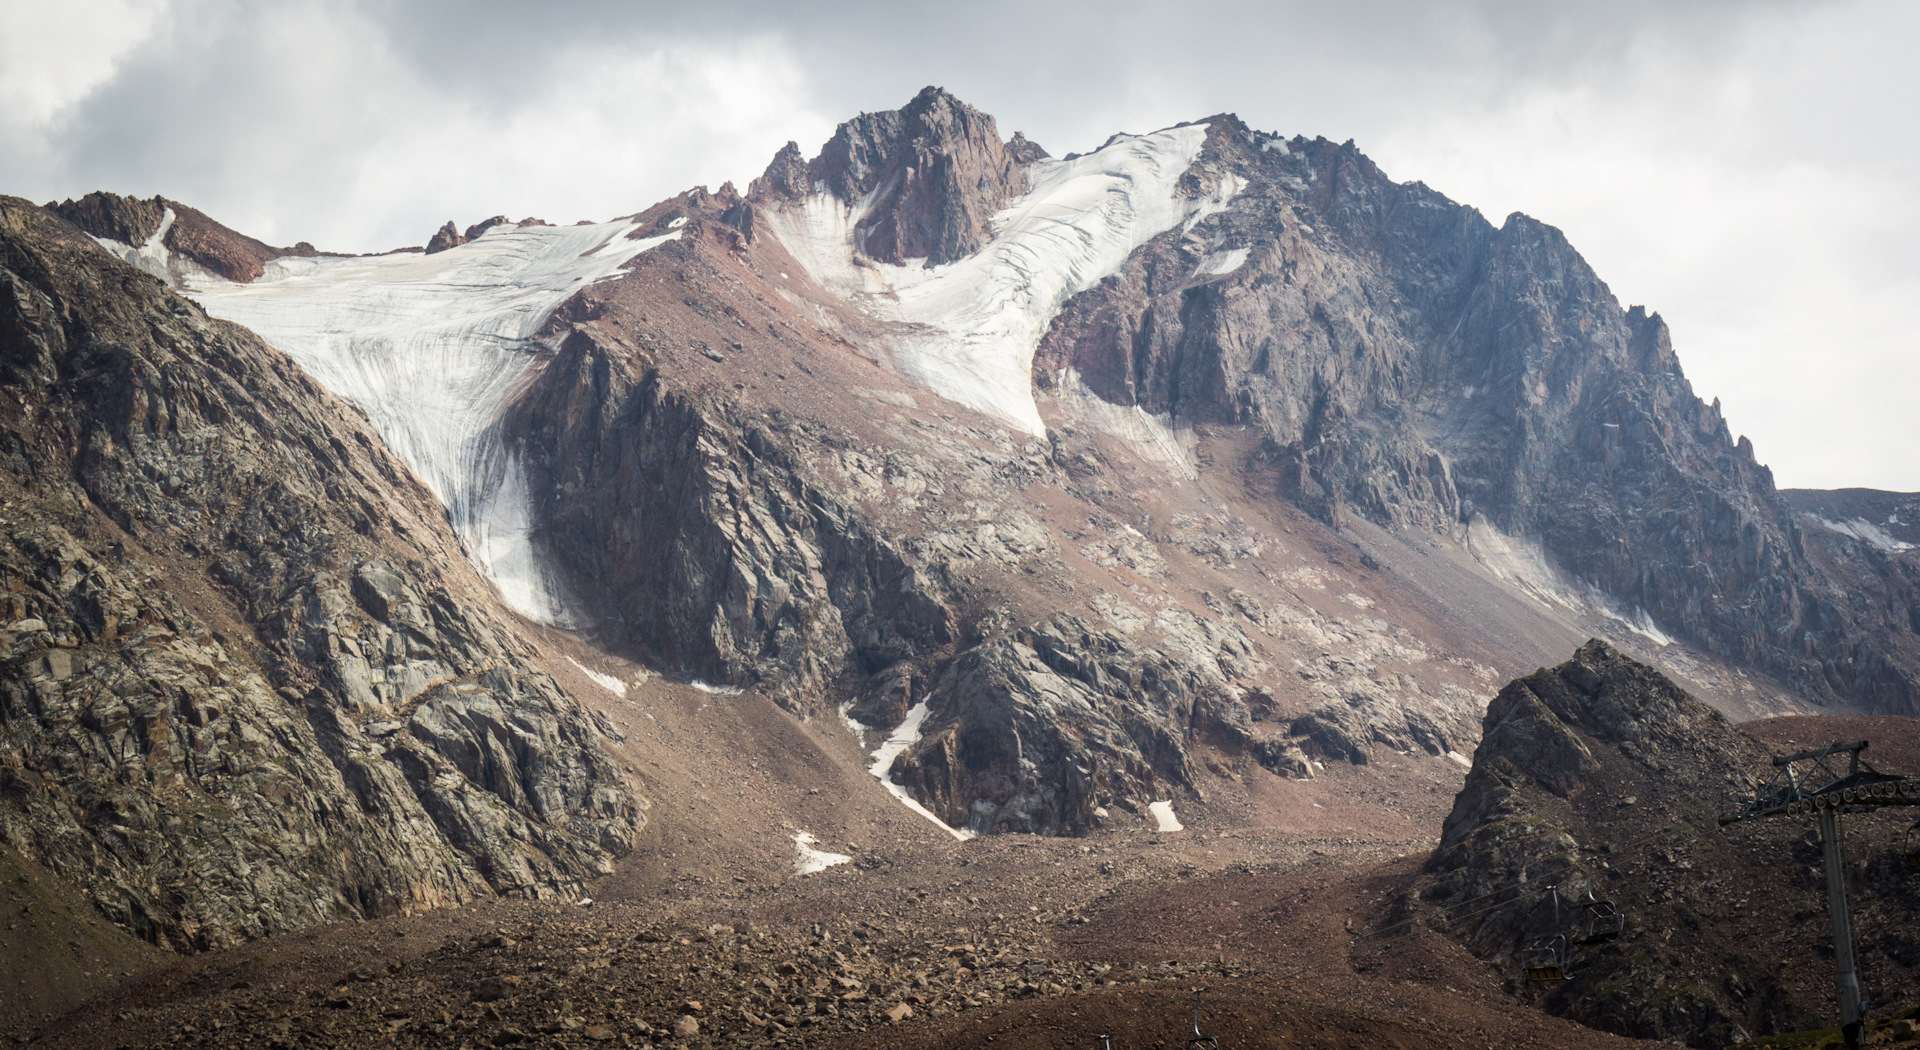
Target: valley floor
917,940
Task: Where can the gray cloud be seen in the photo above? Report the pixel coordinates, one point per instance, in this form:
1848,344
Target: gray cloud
1743,167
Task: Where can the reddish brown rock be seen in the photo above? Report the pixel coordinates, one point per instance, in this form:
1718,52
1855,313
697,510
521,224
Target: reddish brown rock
448,236
478,228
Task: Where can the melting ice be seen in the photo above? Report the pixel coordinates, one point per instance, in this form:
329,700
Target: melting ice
433,348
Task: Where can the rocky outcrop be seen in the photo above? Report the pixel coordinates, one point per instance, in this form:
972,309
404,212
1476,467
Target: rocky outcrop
247,682
1040,730
1601,775
190,236
478,228
699,541
927,177
1410,363
445,237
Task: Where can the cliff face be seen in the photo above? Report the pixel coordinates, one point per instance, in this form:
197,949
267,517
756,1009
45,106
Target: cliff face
1409,363
249,683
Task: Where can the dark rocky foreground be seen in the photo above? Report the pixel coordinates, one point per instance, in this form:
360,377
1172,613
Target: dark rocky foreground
249,683
1602,775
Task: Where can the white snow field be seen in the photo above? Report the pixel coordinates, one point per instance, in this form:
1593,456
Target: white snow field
975,322
605,681
433,348
1163,815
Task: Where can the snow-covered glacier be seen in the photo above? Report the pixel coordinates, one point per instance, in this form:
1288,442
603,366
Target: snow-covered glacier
433,348
971,326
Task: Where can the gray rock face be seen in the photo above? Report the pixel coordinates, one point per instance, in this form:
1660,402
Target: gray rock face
246,682
936,168
1037,729
1410,363
703,545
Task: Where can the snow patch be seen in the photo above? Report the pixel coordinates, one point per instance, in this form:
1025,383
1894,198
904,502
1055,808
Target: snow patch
970,326
605,681
1221,263
853,725
722,690
905,736
154,257
1525,565
1867,532
1460,758
434,348
1152,437
808,860
1163,813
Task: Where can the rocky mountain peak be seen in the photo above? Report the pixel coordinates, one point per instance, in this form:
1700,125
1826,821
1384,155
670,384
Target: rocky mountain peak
930,175
186,234
126,219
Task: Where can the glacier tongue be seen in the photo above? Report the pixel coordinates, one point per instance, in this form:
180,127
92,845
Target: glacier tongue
977,321
433,348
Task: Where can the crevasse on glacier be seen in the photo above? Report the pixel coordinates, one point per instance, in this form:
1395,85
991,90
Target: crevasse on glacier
433,348
975,322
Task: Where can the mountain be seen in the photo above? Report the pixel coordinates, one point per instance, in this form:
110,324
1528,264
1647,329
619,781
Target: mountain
1209,480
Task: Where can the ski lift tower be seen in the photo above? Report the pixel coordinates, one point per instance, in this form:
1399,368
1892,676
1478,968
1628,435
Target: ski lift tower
1812,782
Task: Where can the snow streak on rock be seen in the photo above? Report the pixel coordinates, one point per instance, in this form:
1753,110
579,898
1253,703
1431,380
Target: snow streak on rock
432,348
904,737
1866,532
977,321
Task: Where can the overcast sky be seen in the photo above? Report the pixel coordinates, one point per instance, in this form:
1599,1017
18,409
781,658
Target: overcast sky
1746,168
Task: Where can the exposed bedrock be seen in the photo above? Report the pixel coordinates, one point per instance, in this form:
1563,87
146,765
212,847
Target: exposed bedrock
931,175
1039,729
247,683
699,542
1413,364
191,236
1602,775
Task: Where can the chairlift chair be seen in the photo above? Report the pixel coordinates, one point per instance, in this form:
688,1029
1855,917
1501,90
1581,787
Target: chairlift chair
1546,959
1604,921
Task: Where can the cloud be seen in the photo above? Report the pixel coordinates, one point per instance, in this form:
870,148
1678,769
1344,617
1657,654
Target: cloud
307,121
1742,167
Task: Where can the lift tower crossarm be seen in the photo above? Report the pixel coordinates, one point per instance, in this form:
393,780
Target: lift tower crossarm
1810,780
